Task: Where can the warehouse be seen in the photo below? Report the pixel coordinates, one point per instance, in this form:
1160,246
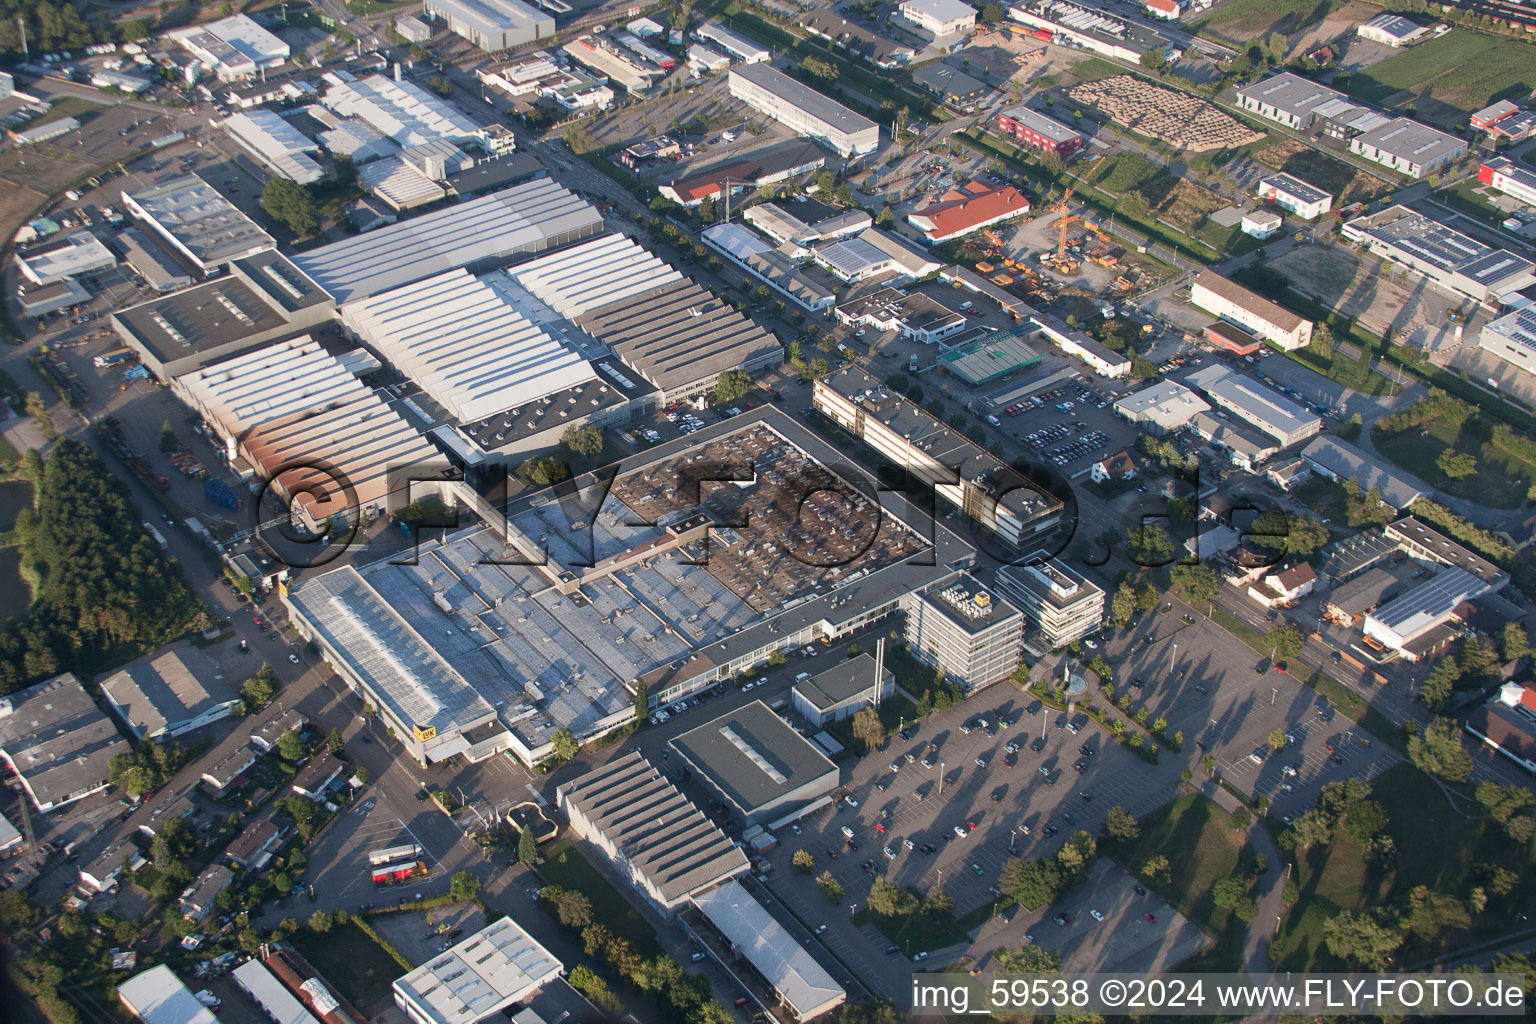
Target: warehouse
796,233
150,261
402,111
802,985
280,1005
611,62
1407,624
261,299
804,110
841,691
611,397
1430,547
1349,601
650,833
1161,408
71,256
298,417
770,165
760,769
1231,301
41,300
57,742
918,318
992,356
1512,338
1100,358
1032,128
478,234
233,48
939,19
770,266
279,145
157,996
1287,98
483,975
1291,193
1090,28
202,225
463,341
493,25
1409,147
970,633
1340,461
1392,30
971,207
1264,408
357,141
166,695
952,86
581,278
1060,604
738,47
1446,258
1243,448
399,183
853,260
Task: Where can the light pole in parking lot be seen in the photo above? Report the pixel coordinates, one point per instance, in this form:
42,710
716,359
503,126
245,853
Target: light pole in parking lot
941,778
1011,833
851,908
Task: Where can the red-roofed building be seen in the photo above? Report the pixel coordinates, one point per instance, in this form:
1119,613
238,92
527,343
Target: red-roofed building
1168,10
1034,129
973,206
1282,588
1119,466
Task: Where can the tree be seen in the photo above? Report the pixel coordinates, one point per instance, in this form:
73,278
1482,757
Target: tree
1365,821
320,921
257,692
1438,750
463,886
804,861
543,470
282,882
584,440
1120,825
890,900
1514,641
1456,465
868,729
1432,913
573,909
1031,959
992,12
335,744
731,385
1229,892
1123,605
1312,829
1038,884
1440,686
290,747
1156,869
303,813
132,30
642,702
1502,802
291,204
168,439
527,848
564,744
1155,59
1150,545
1296,536
1277,739
1361,940
1286,641
830,887
937,903
360,773
818,67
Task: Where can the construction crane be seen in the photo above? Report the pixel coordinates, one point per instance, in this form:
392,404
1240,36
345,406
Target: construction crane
1066,218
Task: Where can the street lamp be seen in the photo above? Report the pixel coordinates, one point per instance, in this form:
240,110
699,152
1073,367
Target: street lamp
851,908
941,778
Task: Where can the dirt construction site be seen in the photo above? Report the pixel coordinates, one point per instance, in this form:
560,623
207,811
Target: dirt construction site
1167,115
1365,288
1330,175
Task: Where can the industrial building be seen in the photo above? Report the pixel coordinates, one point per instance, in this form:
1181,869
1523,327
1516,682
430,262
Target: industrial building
296,417
614,63
1416,623
1509,178
399,183
1231,338
357,141
233,48
769,165
1100,358
1256,405
650,832
970,633
1351,600
478,235
493,25
737,47
152,262
989,357
1287,98
983,489
272,996
1392,30
1443,256
1408,147
1505,120
914,315
200,224
584,615
1291,193
281,147
1060,604
1231,301
970,207
166,695
760,769
1037,131
940,19
1093,29
76,254
57,742
798,235
842,690
1243,447
1430,547
482,975
804,110
403,112
853,260
1340,461
803,987
1512,338
261,299
953,87
771,266
1161,408
157,996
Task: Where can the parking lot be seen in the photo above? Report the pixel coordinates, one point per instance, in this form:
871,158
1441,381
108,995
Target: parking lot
420,935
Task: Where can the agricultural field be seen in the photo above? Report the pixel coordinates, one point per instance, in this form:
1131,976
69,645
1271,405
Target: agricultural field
1462,70
1241,21
1176,119
1346,183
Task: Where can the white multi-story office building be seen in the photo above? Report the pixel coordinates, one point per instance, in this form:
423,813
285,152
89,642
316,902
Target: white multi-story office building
1512,338
1060,605
1291,193
804,110
961,627
1231,301
939,18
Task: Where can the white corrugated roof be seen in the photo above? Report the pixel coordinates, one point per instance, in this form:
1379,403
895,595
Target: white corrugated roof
466,346
803,983
157,996
402,111
488,971
577,280
271,995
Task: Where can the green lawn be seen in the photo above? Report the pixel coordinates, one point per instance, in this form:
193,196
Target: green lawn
923,933
1243,21
1467,197
1501,480
68,106
1462,69
566,867
350,959
1202,848
1437,846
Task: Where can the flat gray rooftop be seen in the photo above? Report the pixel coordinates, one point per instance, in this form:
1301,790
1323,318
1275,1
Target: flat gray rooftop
752,755
201,319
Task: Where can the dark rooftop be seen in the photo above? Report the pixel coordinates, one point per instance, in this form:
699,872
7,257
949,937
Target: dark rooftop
752,755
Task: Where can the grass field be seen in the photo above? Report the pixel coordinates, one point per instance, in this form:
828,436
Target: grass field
1242,21
1462,69
1501,480
348,957
565,866
1202,848
1437,846
1172,200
